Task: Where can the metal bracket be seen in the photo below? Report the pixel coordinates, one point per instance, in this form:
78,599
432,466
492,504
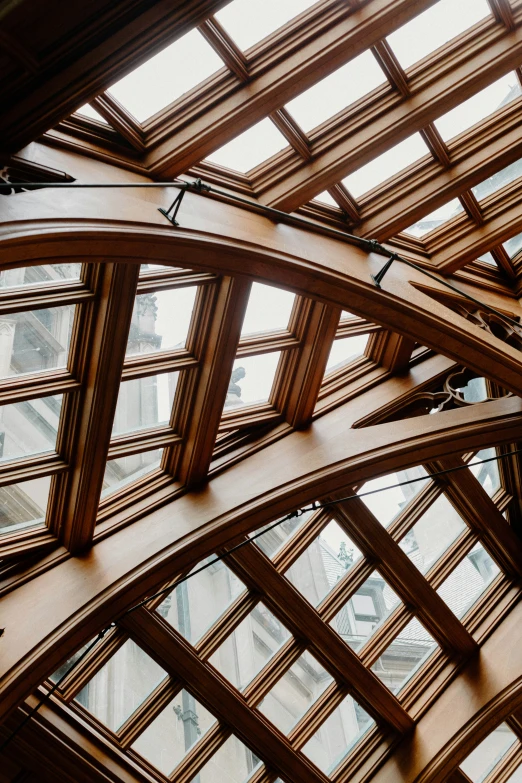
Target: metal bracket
380,274
197,185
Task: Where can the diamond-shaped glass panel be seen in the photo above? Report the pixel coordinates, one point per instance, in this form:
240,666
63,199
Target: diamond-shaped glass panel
296,691
145,403
365,611
337,735
431,536
166,76
249,21
337,91
405,655
34,341
268,310
487,472
24,505
255,640
196,604
488,753
503,177
252,380
435,27
29,427
273,540
170,736
468,580
121,686
161,320
386,504
232,763
513,245
345,350
316,572
46,274
122,471
435,219
250,148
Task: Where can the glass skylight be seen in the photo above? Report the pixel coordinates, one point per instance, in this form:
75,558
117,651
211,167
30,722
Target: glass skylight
145,402
431,536
435,27
37,275
513,245
487,258
250,148
37,419
480,106
161,320
167,76
249,21
232,763
87,111
337,91
325,198
268,310
498,180
273,540
435,219
468,580
387,504
405,655
346,350
488,753
252,380
24,505
487,472
122,471
35,340
386,165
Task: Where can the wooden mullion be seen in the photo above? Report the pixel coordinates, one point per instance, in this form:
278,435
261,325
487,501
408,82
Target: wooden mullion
252,416
225,47
17,300
275,669
507,765
222,699
201,753
471,206
120,119
30,468
266,344
503,13
415,509
314,718
339,194
224,316
304,622
349,327
104,352
135,444
153,364
404,578
299,541
45,384
503,261
226,624
165,279
92,663
381,640
297,139
386,58
436,144
450,559
349,583
148,711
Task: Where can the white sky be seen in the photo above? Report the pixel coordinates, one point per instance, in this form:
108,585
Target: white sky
338,90
434,27
249,21
346,349
268,309
166,76
250,148
88,111
386,165
513,245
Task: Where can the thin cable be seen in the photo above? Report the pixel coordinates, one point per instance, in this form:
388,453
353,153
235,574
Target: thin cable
292,515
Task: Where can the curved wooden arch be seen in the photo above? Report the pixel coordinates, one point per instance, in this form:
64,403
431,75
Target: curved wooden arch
97,225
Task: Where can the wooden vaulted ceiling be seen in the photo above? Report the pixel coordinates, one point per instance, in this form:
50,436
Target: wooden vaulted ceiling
222,475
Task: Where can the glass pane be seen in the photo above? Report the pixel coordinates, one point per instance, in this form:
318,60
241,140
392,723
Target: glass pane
87,111
477,108
366,610
24,505
498,180
516,777
435,27
272,541
161,320
29,427
431,536
36,275
35,340
252,380
70,663
346,350
386,165
486,473
487,258
233,763
293,695
338,735
249,21
386,504
513,245
121,686
166,77
325,198
268,309
124,470
173,733
337,91
250,148
255,640
435,219
325,561
488,753
475,390
405,655
468,581
145,402
195,605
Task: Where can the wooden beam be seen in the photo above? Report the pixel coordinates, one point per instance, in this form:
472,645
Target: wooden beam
348,148
120,119
220,697
100,371
223,44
